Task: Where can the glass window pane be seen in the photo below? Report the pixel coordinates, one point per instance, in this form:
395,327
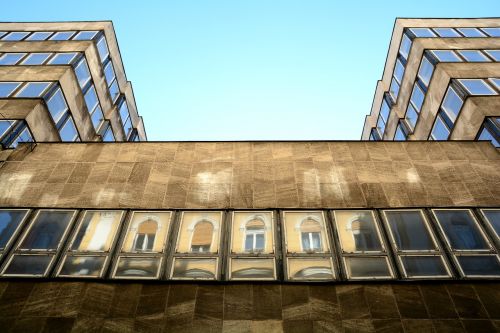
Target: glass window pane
461,230
85,35
380,125
417,97
5,125
446,56
496,82
40,35
91,99
147,232
6,88
493,217
251,269
82,73
477,87
367,267
394,89
411,116
423,32
471,32
10,220
124,114
199,232
68,132
102,48
15,36
404,48
62,59
409,231
424,266
194,268
57,105
97,231
486,135
447,32
474,56
440,131
108,135
310,269
305,232
24,136
425,71
28,265
495,54
452,103
36,58
33,89
399,71
385,110
138,267
47,230
479,265
493,32
252,232
400,134
97,118
109,73
114,91
90,266
62,35
358,231
11,58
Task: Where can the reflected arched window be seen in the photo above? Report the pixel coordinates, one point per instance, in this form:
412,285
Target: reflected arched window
255,239
145,236
363,234
310,232
202,237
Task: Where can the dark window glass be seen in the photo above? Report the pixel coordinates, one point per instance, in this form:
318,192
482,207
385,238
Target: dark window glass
461,230
5,125
138,267
493,217
47,230
479,265
82,266
367,267
9,222
424,266
28,265
486,135
409,231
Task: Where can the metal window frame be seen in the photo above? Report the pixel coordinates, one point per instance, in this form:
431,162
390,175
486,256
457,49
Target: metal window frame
472,276
484,81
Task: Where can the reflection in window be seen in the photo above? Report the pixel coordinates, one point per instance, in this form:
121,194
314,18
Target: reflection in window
40,35
36,58
10,220
310,231
202,237
199,232
493,219
310,269
479,265
63,58
11,58
82,266
147,232
32,265
251,268
194,268
33,89
6,88
368,268
474,56
446,56
477,87
138,267
305,232
440,131
447,32
424,266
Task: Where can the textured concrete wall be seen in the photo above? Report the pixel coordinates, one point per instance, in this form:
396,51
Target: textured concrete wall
252,175
156,307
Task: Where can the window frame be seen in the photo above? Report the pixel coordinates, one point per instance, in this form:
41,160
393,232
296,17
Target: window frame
15,234
489,226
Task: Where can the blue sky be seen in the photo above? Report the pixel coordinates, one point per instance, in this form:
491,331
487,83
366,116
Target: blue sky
251,69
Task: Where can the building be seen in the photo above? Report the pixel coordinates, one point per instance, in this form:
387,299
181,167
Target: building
65,82
440,82
302,236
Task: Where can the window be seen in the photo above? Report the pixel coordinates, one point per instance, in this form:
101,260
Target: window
144,244
446,56
5,126
492,32
477,87
495,54
10,222
114,91
399,71
125,118
394,89
199,235
440,131
452,104
496,83
33,89
492,217
425,71
404,48
19,134
252,254
400,134
307,247
62,35
15,36
82,73
36,250
473,56
40,35
11,58
63,58
363,251
68,131
36,59
91,99
91,244
423,32
108,135
85,35
57,105
6,88
415,245
471,32
97,118
102,48
109,73
487,134
446,32
411,116
467,242
417,97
